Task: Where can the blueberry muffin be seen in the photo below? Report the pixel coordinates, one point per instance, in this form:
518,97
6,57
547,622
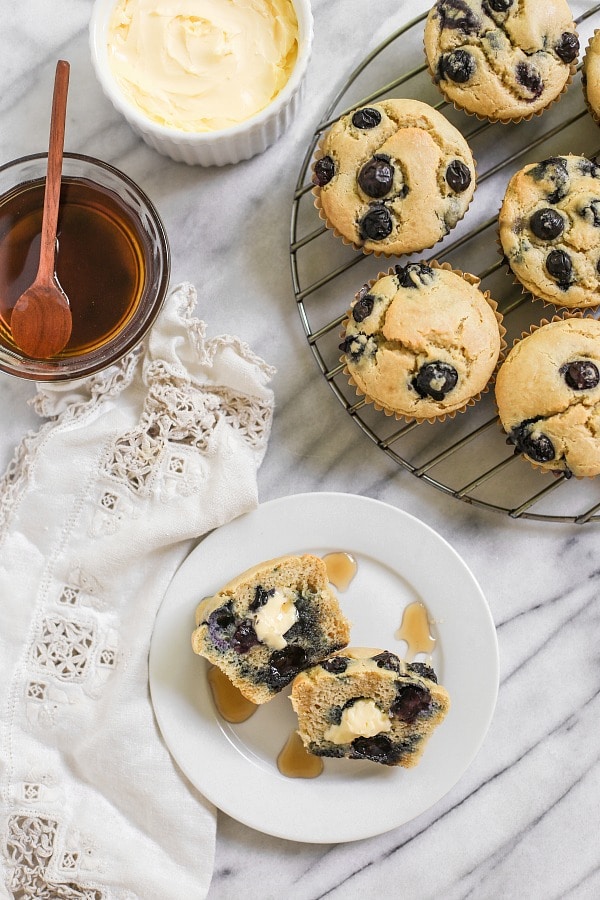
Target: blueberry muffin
590,78
501,59
393,178
270,622
550,230
422,341
368,704
548,396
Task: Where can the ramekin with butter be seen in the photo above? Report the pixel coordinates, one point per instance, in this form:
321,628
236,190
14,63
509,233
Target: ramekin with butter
207,82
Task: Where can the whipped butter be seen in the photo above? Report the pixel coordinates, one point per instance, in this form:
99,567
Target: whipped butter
202,65
274,618
363,719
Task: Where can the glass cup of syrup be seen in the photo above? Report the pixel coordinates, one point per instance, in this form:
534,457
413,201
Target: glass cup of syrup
112,260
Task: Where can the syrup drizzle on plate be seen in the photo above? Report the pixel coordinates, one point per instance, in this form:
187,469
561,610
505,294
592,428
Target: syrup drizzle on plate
295,761
415,629
229,700
341,569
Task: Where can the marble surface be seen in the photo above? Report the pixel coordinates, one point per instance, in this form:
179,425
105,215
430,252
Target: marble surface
524,819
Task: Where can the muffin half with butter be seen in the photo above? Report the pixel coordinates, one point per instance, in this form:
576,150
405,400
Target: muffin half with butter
270,623
365,703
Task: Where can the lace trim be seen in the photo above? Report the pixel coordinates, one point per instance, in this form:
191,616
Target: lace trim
72,655
109,383
16,476
63,648
207,349
30,849
175,411
186,415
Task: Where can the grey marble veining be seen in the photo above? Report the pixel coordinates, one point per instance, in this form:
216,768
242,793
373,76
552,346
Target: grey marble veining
523,822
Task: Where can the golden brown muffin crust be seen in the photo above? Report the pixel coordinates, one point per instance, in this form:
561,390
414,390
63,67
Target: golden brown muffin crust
548,396
501,59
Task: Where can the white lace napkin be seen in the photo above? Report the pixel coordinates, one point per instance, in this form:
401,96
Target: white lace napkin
97,510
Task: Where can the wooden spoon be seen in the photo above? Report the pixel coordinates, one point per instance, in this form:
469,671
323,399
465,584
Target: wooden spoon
41,319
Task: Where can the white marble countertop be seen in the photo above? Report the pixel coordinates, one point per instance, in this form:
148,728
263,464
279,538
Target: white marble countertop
524,819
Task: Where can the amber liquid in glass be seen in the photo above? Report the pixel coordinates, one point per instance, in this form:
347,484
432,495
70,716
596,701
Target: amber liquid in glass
100,258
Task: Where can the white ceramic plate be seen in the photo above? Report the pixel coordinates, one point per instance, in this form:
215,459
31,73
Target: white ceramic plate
400,560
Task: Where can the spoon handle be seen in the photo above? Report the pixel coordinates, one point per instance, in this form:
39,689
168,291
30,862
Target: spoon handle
54,173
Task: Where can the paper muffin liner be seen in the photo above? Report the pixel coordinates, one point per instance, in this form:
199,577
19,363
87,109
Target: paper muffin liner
443,415
591,308
509,119
593,113
316,192
566,314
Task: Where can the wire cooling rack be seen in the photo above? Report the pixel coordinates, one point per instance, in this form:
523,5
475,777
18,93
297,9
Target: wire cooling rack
466,457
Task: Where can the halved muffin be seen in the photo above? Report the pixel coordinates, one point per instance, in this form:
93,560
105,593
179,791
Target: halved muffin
269,623
364,703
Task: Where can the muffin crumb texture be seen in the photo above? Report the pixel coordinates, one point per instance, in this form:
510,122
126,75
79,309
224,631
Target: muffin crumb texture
590,77
364,703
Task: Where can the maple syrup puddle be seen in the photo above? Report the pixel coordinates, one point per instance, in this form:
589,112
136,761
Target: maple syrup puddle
229,700
341,569
295,761
415,629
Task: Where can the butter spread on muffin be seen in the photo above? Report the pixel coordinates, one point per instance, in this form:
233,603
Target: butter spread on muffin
364,703
270,622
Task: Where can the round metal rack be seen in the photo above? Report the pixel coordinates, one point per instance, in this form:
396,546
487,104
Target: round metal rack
466,457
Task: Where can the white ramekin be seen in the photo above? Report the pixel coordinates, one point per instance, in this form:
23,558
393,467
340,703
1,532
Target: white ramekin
216,148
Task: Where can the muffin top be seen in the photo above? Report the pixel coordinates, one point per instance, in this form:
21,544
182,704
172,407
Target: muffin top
394,177
422,341
548,396
550,230
591,74
501,59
